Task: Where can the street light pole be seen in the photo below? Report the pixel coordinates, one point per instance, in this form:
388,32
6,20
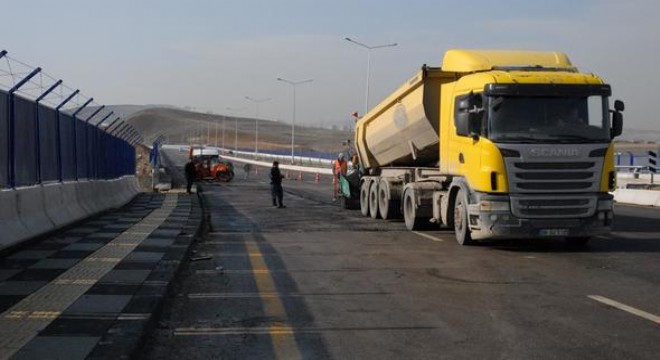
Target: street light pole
293,121
224,122
256,121
369,48
233,112
216,132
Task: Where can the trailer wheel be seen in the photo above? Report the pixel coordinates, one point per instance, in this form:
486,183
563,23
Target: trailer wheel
410,212
461,225
364,198
373,200
386,205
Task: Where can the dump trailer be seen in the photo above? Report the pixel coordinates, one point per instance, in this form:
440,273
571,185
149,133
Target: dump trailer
494,144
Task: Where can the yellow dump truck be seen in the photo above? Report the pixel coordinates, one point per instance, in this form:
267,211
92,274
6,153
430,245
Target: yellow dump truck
494,144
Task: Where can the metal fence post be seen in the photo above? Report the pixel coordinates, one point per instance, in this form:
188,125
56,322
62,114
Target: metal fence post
10,127
91,162
75,134
36,120
60,166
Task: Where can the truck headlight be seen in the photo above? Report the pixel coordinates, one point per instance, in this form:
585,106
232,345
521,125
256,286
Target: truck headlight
487,205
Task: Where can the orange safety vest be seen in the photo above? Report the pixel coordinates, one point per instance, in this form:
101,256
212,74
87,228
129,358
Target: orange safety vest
341,167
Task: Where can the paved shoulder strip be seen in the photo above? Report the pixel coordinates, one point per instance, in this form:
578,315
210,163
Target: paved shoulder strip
23,321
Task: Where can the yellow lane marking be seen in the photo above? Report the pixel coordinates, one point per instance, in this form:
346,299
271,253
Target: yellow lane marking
432,238
626,308
284,344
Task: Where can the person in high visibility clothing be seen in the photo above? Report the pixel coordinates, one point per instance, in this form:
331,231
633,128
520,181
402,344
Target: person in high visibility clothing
340,168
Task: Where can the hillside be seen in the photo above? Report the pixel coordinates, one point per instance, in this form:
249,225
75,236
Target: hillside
183,127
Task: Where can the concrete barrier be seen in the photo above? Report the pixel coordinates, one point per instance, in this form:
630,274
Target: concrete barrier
297,168
10,224
61,204
637,197
33,211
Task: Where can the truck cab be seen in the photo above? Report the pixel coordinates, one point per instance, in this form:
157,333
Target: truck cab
531,146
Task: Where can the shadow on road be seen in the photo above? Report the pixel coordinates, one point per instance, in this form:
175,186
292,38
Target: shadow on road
636,224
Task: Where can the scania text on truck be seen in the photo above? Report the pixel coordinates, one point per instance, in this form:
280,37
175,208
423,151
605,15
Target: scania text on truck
494,144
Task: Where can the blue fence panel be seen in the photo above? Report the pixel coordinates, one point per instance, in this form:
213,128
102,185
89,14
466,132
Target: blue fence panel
67,151
45,145
25,144
81,149
48,143
4,140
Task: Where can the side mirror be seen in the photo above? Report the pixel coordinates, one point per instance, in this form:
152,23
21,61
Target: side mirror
619,105
617,124
464,104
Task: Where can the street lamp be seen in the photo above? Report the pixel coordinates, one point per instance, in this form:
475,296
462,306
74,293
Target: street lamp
233,111
256,121
369,48
293,121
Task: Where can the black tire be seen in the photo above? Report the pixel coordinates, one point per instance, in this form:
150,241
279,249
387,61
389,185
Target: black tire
224,176
373,200
410,213
364,198
461,225
387,206
344,202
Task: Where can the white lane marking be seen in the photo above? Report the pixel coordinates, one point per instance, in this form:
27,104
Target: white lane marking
432,238
626,308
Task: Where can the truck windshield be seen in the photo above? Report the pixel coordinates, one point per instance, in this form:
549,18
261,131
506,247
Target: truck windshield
548,119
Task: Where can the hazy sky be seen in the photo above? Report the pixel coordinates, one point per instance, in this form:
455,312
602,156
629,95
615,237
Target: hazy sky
210,54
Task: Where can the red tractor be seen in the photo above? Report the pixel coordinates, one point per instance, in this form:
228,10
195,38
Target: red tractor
210,166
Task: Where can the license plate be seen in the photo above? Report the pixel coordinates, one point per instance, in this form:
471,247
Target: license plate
553,232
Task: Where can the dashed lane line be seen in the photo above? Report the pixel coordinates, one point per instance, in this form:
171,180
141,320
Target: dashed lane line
626,308
432,238
275,294
288,330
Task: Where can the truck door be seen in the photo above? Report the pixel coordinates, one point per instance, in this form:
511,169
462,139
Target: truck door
463,155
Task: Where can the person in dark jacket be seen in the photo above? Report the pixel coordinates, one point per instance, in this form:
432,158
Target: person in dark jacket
191,173
276,190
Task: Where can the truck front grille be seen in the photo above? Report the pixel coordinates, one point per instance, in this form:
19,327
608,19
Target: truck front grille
543,177
553,165
553,187
534,207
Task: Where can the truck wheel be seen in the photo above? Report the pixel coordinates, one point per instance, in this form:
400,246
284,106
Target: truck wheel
461,225
386,206
410,212
373,200
364,198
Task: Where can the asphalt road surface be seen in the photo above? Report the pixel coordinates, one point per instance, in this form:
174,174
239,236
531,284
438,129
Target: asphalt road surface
314,281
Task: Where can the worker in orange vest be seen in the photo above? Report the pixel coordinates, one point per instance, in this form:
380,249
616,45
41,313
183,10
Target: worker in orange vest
340,168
